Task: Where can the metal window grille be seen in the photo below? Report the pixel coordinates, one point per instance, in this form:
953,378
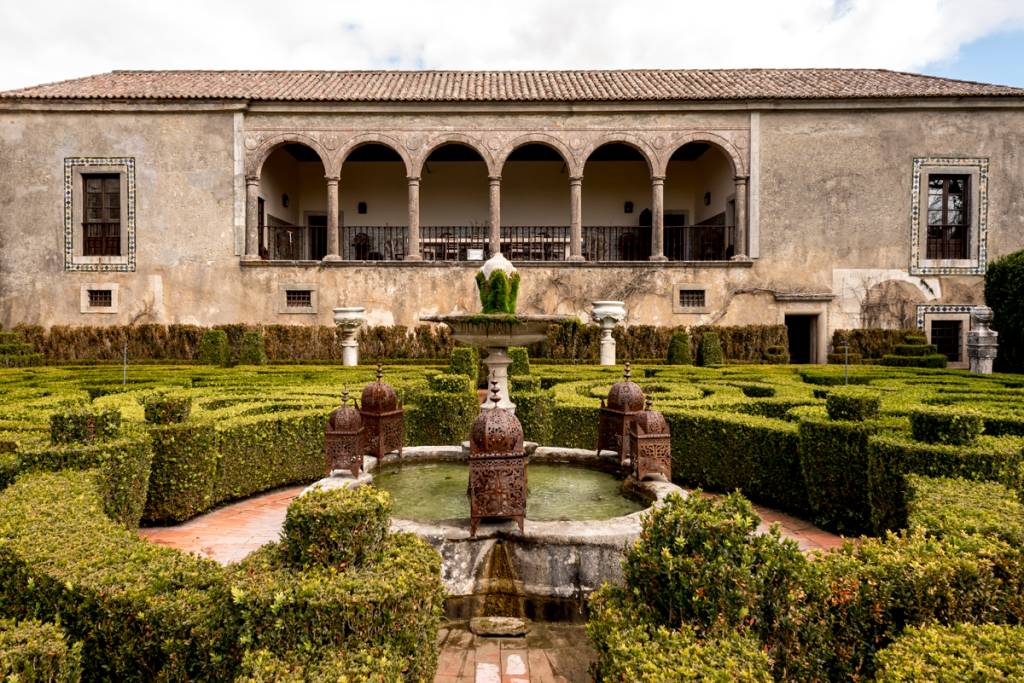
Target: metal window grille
946,336
299,298
691,298
101,298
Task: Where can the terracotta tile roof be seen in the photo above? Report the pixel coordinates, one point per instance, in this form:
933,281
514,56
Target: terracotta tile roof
511,86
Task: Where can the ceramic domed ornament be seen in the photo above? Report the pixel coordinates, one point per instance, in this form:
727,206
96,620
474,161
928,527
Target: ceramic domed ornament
497,466
383,418
625,402
343,435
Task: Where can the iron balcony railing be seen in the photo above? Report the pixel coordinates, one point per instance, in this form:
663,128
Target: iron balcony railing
518,243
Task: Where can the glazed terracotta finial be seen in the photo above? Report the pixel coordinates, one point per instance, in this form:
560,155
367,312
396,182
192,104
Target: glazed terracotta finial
344,396
628,373
648,402
380,371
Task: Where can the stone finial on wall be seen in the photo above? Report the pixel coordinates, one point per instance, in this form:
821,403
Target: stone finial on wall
982,341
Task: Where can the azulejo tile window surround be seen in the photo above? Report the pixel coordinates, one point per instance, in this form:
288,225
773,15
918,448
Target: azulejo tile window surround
949,216
940,322
99,214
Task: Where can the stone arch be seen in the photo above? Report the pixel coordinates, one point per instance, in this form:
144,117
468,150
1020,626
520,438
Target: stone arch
633,141
539,139
260,155
725,146
454,139
374,139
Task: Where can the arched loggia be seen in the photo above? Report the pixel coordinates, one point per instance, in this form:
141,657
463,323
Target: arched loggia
700,204
291,211
535,204
617,205
373,206
455,205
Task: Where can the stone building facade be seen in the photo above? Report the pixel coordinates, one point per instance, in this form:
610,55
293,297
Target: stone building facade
822,199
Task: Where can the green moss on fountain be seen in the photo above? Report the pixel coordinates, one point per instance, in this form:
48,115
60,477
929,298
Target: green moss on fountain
498,294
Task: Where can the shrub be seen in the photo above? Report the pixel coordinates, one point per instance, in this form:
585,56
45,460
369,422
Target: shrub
182,477
450,384
33,652
1004,282
950,507
122,465
142,612
361,664
834,461
84,423
843,359
853,403
916,349
465,360
337,527
214,349
499,292
254,349
393,600
520,361
629,648
951,654
161,409
777,355
710,350
936,360
877,588
892,457
954,426
698,562
535,410
9,467
679,349
868,343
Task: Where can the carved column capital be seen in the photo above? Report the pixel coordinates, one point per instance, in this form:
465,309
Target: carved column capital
252,180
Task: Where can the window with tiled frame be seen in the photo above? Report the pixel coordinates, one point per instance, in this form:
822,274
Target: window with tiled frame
90,229
949,216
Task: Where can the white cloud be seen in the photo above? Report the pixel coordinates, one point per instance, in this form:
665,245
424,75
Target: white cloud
47,41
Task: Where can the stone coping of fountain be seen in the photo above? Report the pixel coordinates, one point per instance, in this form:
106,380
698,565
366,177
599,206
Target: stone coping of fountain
554,560
498,329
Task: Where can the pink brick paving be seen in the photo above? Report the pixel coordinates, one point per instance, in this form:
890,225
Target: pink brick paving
549,654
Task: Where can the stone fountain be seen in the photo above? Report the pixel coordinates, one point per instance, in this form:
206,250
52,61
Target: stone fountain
498,326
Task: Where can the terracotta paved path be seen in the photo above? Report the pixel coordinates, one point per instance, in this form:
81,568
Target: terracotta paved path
550,653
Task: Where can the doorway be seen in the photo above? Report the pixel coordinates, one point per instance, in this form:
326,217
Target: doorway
802,331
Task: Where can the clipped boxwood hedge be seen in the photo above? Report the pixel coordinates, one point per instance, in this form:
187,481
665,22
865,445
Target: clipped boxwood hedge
327,665
949,507
34,652
892,457
958,427
84,423
162,409
952,654
394,599
183,474
141,612
434,417
123,466
336,527
834,462
853,403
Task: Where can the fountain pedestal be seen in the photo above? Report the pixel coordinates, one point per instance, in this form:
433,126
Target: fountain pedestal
349,319
497,362
982,341
607,314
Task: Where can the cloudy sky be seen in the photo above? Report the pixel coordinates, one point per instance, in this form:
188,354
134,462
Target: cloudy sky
48,40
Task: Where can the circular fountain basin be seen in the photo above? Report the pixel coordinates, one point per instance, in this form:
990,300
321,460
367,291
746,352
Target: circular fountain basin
498,330
544,572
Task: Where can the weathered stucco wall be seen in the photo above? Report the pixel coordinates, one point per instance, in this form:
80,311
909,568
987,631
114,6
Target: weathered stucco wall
831,189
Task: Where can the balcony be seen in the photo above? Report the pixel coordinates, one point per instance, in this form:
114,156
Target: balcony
455,243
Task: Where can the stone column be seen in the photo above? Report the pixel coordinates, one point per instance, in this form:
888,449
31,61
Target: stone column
333,240
658,218
982,341
495,214
413,248
252,220
575,218
740,238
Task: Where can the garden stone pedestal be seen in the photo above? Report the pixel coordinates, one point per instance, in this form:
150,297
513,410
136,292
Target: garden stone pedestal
349,319
607,314
982,341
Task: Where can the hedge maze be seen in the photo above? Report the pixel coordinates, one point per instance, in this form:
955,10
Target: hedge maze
926,463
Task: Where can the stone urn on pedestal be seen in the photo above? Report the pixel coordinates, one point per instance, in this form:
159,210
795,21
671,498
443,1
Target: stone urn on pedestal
607,314
982,341
349,319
